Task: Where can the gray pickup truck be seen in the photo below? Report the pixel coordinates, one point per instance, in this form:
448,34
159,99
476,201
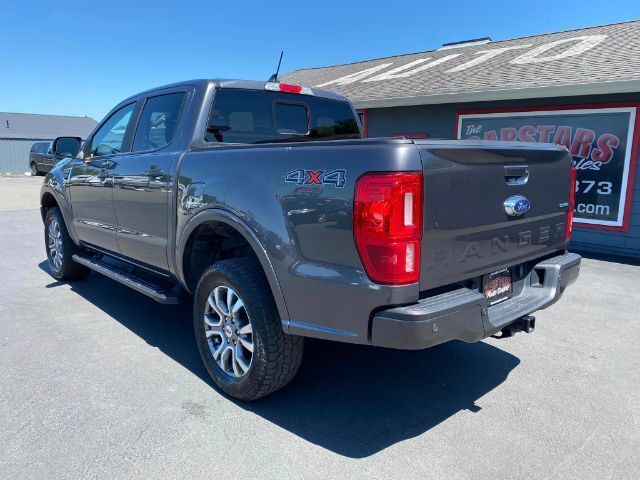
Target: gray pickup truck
261,204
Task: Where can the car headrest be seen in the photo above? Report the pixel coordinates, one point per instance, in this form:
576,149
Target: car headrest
241,121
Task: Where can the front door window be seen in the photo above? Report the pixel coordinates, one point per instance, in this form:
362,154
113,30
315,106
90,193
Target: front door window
108,140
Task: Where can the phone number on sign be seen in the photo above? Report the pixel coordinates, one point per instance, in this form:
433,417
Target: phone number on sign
586,186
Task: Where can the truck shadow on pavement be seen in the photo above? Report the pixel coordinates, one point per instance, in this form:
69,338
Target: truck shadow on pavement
350,399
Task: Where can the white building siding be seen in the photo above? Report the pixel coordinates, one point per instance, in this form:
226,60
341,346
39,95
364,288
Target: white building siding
14,155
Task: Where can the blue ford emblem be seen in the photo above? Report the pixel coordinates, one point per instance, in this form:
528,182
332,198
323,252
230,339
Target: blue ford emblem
516,205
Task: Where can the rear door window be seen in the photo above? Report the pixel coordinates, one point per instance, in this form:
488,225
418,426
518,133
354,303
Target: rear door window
40,147
254,116
158,122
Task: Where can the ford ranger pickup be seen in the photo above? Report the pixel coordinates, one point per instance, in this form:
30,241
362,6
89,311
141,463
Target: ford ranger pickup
261,203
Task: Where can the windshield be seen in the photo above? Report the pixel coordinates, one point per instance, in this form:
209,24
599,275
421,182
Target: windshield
253,116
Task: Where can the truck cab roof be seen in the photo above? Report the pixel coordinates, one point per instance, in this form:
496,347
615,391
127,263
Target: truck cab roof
236,83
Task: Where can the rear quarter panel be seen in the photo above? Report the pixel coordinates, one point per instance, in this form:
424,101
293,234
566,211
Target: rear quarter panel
306,229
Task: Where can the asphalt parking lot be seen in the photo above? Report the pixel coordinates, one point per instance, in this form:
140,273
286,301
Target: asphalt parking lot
97,381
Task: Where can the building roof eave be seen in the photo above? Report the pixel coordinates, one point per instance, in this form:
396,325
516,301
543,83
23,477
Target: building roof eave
599,88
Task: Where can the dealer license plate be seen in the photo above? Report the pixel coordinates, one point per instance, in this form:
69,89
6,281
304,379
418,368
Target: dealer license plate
497,286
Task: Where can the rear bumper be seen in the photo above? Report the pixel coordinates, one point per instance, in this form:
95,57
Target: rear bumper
464,314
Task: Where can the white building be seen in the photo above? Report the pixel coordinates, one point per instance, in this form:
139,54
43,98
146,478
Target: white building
18,131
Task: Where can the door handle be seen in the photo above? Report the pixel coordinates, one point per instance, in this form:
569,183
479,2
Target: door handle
99,163
154,171
516,174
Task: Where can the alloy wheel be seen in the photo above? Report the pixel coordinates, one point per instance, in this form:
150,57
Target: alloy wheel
228,331
56,251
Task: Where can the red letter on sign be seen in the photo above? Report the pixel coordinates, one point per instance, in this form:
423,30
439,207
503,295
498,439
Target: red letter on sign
607,143
563,136
508,134
490,135
526,133
581,146
545,132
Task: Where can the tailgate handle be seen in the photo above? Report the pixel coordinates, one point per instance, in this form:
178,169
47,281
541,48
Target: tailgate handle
516,174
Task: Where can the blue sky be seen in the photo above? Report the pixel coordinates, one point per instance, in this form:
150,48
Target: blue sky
81,58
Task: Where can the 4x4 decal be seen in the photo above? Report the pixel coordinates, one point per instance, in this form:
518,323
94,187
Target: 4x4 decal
317,177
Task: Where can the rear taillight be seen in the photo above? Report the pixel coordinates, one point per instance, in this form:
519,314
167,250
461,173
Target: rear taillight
572,204
387,225
287,88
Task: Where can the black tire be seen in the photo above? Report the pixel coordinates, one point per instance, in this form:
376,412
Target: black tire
276,355
64,268
34,170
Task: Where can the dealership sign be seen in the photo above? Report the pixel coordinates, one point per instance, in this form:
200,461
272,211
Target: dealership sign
601,140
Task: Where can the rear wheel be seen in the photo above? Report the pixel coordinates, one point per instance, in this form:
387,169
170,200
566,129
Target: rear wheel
60,248
239,332
34,169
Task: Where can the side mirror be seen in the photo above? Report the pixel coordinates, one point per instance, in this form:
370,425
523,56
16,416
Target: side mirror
66,146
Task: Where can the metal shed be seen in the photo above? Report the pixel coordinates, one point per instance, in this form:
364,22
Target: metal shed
18,131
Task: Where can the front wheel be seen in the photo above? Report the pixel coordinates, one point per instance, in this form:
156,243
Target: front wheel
60,248
239,332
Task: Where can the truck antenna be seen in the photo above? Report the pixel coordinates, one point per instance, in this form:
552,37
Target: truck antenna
274,77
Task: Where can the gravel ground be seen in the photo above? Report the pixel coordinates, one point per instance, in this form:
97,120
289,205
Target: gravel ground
97,381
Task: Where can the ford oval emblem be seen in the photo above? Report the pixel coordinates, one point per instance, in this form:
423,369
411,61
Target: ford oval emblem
516,205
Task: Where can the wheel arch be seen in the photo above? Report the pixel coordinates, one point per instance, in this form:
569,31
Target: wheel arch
214,222
47,200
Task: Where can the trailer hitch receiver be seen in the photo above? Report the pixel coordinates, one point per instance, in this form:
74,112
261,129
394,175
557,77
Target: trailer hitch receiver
524,324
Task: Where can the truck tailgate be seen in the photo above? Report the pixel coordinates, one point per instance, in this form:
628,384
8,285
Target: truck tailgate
467,231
